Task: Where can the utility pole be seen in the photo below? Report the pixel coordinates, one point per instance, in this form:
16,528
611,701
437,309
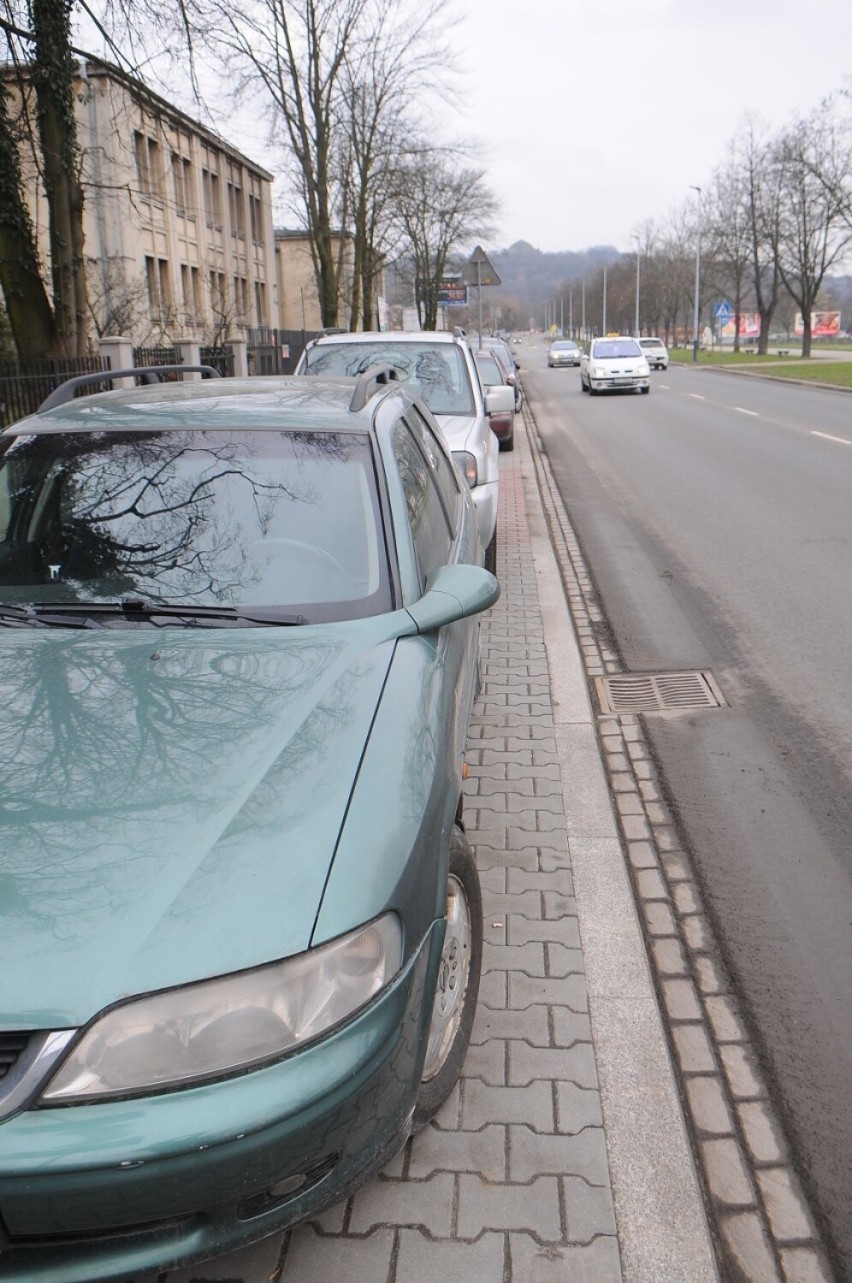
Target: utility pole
697,274
603,327
638,256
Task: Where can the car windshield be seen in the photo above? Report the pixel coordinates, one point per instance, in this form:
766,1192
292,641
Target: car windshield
608,348
437,370
563,347
231,519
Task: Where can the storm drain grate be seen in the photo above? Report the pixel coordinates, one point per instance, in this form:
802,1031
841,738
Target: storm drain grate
658,692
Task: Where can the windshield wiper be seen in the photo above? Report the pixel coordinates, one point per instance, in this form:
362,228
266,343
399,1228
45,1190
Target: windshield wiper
132,609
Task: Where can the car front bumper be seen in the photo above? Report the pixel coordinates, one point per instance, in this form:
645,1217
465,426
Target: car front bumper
108,1191
620,384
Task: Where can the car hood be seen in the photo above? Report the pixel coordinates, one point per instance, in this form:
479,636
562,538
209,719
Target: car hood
460,431
170,802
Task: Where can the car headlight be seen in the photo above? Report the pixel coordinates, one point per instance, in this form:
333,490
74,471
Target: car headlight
466,462
222,1026
599,372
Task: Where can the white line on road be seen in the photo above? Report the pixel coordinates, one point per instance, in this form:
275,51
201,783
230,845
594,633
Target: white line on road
753,413
827,437
696,397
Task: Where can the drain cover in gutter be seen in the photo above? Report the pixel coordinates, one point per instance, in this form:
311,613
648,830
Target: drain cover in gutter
658,692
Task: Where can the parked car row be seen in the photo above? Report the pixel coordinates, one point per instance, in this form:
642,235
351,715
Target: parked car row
241,929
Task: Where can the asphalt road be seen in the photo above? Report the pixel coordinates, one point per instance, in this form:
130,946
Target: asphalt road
716,518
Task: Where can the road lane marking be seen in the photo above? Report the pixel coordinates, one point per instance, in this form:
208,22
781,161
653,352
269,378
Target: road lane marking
696,397
740,410
826,436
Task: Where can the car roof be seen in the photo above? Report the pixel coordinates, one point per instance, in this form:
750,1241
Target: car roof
653,340
389,336
265,401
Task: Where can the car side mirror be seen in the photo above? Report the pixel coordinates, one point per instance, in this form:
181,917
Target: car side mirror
454,592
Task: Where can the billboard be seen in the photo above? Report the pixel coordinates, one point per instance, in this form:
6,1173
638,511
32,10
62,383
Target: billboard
824,325
452,292
749,326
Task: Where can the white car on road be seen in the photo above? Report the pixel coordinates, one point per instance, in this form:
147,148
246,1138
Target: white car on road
656,353
614,364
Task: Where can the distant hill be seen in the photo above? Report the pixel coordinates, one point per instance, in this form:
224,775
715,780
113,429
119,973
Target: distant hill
532,275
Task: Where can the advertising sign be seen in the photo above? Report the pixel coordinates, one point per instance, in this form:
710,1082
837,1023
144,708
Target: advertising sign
452,294
824,325
749,326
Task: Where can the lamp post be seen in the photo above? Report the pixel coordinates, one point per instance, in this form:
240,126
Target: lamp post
603,327
638,257
697,273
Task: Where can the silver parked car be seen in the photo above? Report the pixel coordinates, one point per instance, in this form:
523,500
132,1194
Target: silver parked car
441,367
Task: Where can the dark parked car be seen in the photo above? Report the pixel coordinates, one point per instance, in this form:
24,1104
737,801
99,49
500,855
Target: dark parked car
241,924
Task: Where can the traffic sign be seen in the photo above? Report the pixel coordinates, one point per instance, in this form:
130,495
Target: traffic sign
724,312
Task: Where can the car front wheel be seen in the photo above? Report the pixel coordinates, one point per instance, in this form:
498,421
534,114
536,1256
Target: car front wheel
454,1005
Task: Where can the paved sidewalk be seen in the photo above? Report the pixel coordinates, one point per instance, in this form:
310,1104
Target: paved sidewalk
561,1156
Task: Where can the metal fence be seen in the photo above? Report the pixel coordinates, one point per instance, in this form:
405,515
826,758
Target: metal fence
25,384
272,351
221,359
158,356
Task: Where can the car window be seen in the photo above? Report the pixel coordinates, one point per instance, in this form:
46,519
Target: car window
437,370
650,343
490,371
429,528
615,348
444,470
203,518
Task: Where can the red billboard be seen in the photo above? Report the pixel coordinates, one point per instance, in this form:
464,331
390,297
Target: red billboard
824,325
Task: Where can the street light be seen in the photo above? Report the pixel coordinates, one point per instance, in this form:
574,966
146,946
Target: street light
697,273
638,254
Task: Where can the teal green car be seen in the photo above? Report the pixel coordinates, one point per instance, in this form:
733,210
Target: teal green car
240,923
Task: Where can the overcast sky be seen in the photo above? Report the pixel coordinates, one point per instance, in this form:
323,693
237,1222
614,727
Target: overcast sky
596,116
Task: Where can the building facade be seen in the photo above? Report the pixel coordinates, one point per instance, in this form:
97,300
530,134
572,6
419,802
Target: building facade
177,223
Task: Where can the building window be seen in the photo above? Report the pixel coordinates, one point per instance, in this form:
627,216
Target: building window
236,210
212,198
182,180
259,303
256,219
148,168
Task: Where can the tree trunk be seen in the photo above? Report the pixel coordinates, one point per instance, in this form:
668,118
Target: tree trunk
27,303
53,79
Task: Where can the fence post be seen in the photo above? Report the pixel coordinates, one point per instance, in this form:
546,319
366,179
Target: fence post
118,352
239,347
189,353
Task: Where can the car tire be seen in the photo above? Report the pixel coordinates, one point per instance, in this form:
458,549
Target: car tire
645,390
458,983
592,391
508,444
583,385
491,554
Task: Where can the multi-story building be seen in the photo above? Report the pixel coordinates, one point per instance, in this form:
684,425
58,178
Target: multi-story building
298,297
177,222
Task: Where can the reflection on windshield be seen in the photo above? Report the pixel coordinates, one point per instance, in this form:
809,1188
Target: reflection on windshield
217,518
618,348
437,370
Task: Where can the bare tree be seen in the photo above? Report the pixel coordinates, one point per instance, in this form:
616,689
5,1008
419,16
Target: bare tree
813,159
388,74
440,206
38,45
729,235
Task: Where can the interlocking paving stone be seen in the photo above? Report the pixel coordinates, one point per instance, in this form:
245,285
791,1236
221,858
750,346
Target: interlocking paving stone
312,1258
532,1104
533,1207
576,1064
567,991
423,1260
588,1209
595,1262
582,1154
481,1151
532,1024
404,1202
577,1107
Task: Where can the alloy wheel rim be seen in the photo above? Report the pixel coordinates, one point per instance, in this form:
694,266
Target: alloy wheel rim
453,976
